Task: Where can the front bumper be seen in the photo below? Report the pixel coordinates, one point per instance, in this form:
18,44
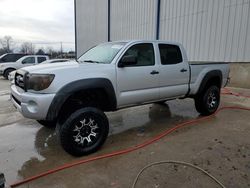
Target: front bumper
11,77
1,72
31,105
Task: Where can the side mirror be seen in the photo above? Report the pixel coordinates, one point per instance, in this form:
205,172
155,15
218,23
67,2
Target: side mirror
127,61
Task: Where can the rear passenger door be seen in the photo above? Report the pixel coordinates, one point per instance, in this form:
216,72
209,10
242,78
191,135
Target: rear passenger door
138,83
174,72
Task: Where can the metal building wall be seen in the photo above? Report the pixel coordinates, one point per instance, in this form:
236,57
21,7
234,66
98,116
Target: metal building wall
133,19
91,18
210,30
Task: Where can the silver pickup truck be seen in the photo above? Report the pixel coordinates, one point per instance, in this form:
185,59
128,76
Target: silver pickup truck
28,60
108,77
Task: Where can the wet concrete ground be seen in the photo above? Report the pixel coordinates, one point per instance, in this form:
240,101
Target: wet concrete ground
220,145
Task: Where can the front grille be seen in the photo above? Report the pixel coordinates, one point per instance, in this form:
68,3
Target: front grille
19,80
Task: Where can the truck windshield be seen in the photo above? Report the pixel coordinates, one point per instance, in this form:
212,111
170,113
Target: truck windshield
2,56
103,53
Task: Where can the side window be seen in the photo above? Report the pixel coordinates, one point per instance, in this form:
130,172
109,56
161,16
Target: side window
29,60
12,57
41,59
7,58
170,54
144,53
17,56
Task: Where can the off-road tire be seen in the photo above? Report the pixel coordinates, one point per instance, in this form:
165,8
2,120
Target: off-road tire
207,102
76,133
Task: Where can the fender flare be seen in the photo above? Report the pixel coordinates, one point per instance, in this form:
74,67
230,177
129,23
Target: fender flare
207,77
8,69
80,85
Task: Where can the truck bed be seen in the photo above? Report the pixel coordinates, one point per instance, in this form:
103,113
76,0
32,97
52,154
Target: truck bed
199,69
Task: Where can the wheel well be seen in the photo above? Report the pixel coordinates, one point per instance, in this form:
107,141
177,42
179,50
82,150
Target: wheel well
214,81
8,69
87,98
209,81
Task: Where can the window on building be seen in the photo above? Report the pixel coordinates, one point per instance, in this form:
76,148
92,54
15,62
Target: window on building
170,54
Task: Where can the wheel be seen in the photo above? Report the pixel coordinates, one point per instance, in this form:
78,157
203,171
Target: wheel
48,124
208,101
84,132
7,72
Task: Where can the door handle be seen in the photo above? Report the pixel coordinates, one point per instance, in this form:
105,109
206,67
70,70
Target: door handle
183,70
154,72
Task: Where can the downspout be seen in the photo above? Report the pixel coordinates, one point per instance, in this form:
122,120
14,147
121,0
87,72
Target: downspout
158,16
108,20
75,30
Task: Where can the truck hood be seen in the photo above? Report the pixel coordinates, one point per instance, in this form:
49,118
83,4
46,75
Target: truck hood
67,72
56,68
7,64
48,68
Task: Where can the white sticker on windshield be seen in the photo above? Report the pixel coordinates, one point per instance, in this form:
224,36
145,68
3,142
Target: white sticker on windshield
117,46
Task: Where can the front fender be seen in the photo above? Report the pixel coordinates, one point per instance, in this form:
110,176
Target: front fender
80,85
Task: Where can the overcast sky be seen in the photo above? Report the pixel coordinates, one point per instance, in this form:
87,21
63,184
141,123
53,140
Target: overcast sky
38,21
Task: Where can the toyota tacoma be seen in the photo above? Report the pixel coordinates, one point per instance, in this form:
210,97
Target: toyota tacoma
109,77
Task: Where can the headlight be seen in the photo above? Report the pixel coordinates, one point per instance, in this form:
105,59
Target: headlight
39,82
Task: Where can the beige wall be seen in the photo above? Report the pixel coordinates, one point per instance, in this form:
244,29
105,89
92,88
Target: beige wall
240,75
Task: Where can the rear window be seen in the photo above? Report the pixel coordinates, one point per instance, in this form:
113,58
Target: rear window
41,59
170,54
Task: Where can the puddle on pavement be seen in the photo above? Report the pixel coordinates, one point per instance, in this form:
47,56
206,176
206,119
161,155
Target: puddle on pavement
145,115
27,146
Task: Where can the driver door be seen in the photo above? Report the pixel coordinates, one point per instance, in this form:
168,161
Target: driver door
138,83
28,61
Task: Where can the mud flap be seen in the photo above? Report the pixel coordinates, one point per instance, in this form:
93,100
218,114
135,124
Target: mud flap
2,180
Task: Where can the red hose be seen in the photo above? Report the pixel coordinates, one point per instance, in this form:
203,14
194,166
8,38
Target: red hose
133,148
226,91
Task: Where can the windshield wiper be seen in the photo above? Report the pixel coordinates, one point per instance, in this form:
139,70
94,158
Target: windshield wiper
91,61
